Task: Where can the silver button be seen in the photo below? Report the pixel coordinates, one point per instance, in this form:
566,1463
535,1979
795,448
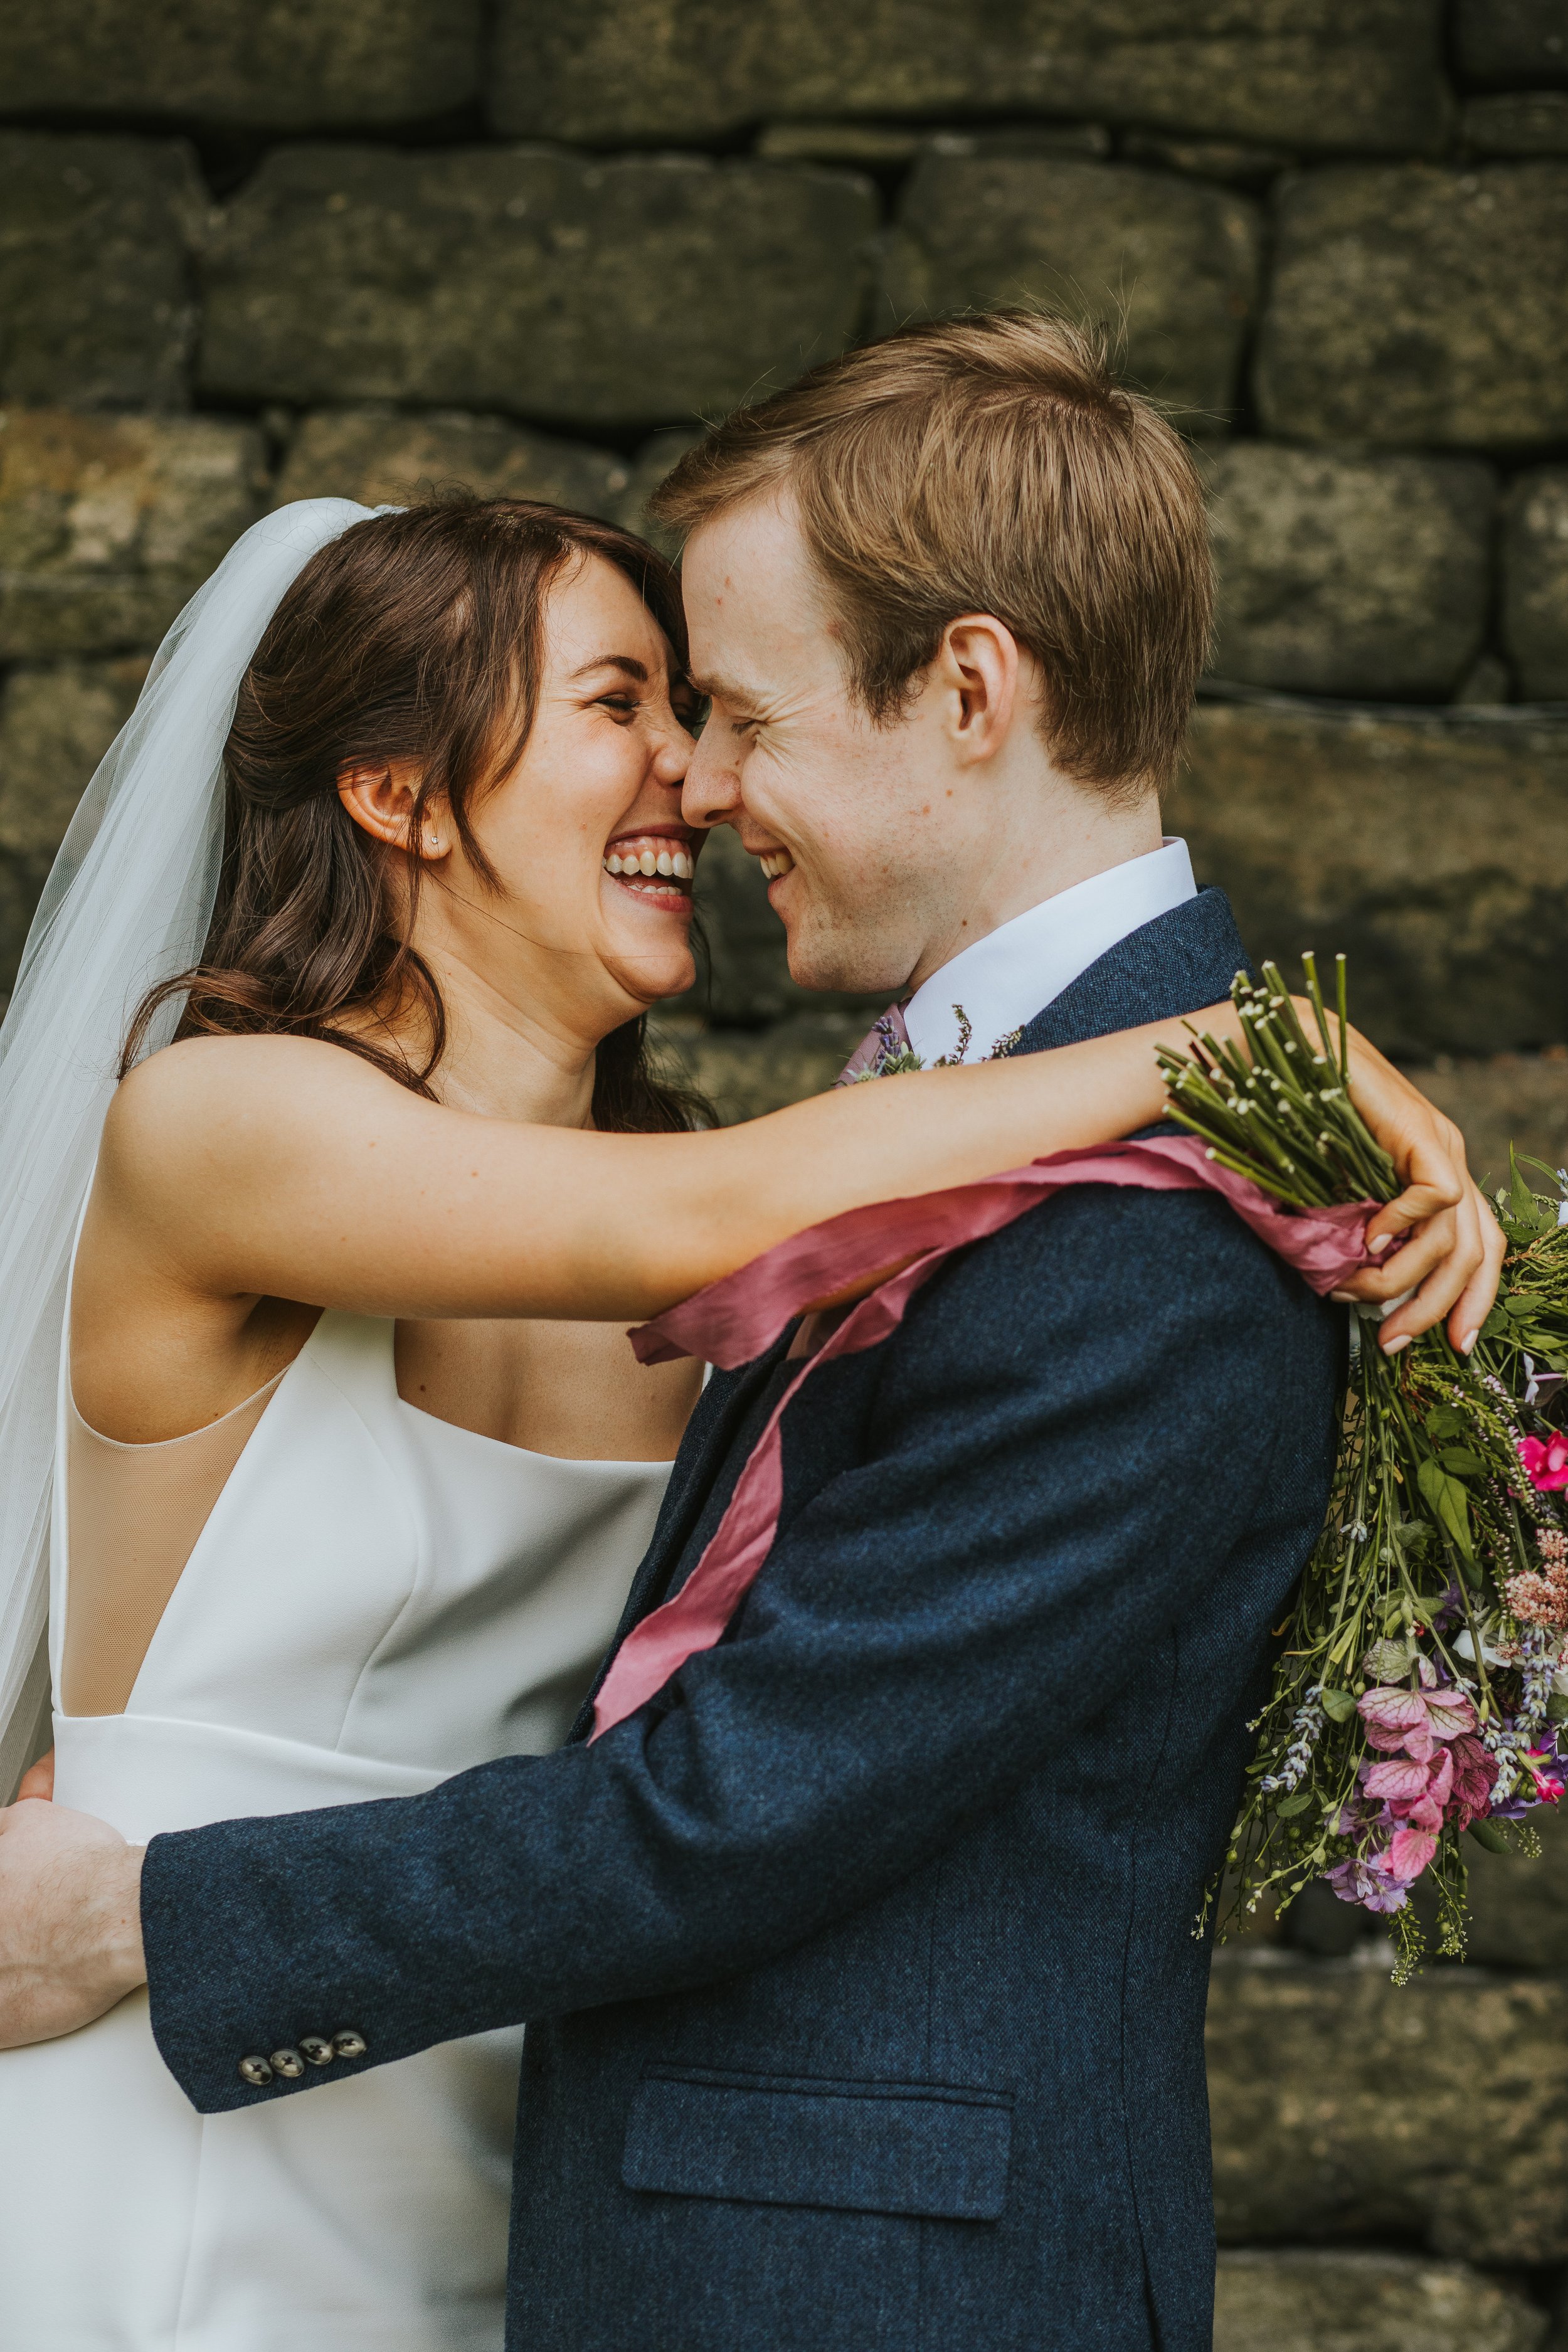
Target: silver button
255,2072
319,2050
289,2063
348,2043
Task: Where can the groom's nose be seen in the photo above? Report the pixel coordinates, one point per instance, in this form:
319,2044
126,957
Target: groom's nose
711,793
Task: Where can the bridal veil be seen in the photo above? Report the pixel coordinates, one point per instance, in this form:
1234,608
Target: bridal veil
127,904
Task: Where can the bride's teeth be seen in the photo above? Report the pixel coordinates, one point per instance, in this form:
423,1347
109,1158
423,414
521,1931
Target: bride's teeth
669,862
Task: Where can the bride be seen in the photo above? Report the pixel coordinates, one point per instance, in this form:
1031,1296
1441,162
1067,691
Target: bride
309,1328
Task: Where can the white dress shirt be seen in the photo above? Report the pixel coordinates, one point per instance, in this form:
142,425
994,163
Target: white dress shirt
1015,971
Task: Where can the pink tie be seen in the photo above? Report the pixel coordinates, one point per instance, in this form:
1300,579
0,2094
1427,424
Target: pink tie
886,1037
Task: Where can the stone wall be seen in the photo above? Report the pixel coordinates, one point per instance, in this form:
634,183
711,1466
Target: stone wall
271,248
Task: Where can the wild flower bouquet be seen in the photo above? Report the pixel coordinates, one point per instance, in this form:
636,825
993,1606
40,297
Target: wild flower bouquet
1425,1672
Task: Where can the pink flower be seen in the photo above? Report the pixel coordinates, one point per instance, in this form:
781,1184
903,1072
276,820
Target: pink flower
1390,1717
1475,1774
1449,1713
1546,1465
1549,1784
1399,1778
1412,1791
1413,1721
1409,1852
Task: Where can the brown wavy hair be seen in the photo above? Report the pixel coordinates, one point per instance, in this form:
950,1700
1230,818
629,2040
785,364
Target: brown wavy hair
415,636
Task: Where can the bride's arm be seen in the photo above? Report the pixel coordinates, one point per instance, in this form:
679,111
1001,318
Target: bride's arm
282,1168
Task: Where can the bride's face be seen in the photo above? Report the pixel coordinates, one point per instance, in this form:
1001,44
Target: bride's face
586,834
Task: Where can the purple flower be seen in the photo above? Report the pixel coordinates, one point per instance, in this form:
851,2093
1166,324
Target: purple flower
1367,1879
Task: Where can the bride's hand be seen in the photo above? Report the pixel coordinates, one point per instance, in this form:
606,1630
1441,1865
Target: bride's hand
38,1781
1452,1250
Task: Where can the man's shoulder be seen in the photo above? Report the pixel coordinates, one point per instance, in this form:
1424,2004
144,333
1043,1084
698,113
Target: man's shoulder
1099,1266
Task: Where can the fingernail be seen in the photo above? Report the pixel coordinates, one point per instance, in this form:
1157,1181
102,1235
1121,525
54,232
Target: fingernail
1377,1247
1343,1297
1392,1346
1468,1342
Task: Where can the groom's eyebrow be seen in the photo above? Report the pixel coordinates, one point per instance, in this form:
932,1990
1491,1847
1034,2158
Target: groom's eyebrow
719,689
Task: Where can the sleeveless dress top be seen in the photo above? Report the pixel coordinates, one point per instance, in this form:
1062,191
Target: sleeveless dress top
376,1599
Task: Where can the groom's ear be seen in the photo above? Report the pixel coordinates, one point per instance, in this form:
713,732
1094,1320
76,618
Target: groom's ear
383,798
977,675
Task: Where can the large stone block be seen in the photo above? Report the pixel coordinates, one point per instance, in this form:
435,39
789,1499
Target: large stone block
1289,2300
1353,576
95,294
55,727
1175,259
1310,74
1345,2109
1535,582
1517,1098
281,64
1510,44
1433,851
539,283
107,524
1418,305
1517,122
382,458
1518,1903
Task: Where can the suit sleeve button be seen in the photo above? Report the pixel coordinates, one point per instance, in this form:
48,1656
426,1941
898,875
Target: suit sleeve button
347,2044
255,2072
289,2063
316,2049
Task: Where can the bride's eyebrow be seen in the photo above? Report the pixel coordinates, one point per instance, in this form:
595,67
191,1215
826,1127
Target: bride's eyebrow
627,663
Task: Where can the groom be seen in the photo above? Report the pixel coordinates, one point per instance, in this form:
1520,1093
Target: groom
863,1996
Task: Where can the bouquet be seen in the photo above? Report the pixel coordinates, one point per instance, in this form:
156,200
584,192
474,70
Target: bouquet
1424,1676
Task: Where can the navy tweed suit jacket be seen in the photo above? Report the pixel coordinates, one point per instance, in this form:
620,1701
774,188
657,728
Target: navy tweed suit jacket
864,2004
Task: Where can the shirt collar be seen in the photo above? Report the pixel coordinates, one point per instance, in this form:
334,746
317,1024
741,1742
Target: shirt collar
1015,971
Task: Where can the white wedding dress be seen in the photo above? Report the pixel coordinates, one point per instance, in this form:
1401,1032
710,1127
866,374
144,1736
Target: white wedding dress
377,1600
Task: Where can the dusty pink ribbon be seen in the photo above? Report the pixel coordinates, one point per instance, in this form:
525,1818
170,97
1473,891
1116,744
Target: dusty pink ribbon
733,1320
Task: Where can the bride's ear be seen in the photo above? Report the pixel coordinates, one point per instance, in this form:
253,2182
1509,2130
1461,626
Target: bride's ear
383,798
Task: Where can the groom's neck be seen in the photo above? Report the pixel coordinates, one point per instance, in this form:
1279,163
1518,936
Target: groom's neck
1032,861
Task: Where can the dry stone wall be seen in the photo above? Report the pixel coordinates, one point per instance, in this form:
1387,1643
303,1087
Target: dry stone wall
279,249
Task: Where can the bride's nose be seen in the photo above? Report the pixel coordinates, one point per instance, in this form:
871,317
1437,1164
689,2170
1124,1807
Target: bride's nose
672,755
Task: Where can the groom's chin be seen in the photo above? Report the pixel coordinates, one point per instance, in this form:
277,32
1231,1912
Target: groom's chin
830,957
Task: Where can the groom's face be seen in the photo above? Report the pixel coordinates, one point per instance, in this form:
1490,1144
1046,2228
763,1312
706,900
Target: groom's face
856,825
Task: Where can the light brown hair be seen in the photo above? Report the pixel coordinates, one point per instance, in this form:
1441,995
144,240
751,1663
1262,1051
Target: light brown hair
417,634
991,464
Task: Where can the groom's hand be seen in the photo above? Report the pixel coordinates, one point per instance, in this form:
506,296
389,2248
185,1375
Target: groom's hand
71,1921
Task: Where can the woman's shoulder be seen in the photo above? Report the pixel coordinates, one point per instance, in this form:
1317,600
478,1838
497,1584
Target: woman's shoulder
206,1091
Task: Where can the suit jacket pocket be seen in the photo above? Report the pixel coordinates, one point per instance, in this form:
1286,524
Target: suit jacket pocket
924,2149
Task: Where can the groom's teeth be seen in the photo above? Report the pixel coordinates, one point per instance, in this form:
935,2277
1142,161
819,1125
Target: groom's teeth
775,862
